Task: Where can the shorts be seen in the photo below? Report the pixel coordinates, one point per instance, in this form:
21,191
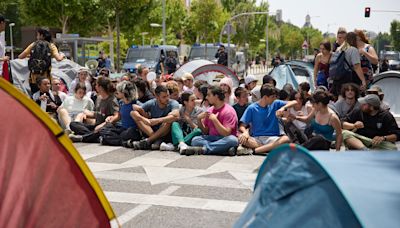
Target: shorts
264,140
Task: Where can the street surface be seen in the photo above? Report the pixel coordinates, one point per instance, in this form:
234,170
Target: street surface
165,189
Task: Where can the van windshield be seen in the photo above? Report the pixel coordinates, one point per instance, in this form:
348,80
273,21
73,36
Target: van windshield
200,52
142,55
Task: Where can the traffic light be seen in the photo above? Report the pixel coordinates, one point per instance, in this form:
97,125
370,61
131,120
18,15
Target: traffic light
367,11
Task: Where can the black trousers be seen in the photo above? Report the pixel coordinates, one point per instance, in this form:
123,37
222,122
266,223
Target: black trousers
86,130
317,143
114,135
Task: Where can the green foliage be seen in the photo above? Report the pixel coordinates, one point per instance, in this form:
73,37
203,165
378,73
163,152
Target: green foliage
382,40
206,19
395,34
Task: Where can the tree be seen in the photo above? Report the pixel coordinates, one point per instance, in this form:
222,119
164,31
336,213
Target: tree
395,34
382,40
67,15
206,19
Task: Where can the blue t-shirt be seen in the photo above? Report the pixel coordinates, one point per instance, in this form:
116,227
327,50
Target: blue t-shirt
155,111
125,112
263,121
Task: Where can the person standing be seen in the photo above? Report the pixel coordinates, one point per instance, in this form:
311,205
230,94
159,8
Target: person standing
368,56
321,66
3,57
222,56
39,62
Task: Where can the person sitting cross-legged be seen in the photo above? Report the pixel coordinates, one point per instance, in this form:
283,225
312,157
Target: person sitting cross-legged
154,119
218,125
259,127
370,127
183,130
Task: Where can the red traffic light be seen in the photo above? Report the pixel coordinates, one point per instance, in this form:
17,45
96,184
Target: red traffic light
367,12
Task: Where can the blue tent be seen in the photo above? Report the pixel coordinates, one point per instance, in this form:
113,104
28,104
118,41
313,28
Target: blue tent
295,188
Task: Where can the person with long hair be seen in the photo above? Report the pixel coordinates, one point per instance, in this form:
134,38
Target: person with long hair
350,93
89,123
368,55
117,134
321,66
324,122
186,128
82,76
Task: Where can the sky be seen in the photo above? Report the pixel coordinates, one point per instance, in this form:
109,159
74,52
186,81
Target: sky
348,13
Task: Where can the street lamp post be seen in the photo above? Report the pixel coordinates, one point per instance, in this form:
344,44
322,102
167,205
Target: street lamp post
143,34
154,25
11,40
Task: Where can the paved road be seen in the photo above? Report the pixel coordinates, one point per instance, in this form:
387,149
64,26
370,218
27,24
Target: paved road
165,189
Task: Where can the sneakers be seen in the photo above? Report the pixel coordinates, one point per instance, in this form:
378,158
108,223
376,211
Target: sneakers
141,145
128,143
167,146
182,146
243,151
232,151
193,150
156,144
75,138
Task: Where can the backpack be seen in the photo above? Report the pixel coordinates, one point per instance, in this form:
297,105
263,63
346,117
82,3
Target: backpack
40,58
337,69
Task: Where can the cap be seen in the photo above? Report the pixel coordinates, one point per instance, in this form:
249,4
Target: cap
370,99
375,88
227,81
249,78
187,76
2,18
84,69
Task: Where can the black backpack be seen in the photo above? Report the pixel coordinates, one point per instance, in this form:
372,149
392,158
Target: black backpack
40,59
337,69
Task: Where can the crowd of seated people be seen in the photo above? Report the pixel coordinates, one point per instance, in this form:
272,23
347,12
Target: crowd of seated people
195,117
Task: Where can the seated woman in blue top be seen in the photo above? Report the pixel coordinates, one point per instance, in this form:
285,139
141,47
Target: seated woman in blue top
125,128
324,123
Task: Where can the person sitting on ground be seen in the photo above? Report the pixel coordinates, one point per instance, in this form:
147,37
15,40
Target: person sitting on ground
42,35
173,90
250,82
259,128
188,82
154,119
375,89
117,133
324,122
180,84
227,86
268,79
183,130
81,77
242,96
218,125
200,91
295,129
305,86
344,106
56,89
73,105
88,123
144,93
370,127
45,98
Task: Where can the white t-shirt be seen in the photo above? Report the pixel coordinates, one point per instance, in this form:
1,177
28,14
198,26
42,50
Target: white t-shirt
300,125
75,106
2,51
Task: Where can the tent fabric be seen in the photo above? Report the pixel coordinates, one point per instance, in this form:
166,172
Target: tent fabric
389,81
295,188
283,74
293,72
65,69
207,71
44,181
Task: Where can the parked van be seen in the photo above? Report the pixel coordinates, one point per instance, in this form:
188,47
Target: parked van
208,51
149,56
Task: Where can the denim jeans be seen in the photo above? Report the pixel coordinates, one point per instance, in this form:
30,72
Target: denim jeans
216,145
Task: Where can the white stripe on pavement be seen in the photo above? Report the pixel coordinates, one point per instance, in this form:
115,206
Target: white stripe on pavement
129,215
198,181
93,150
177,201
